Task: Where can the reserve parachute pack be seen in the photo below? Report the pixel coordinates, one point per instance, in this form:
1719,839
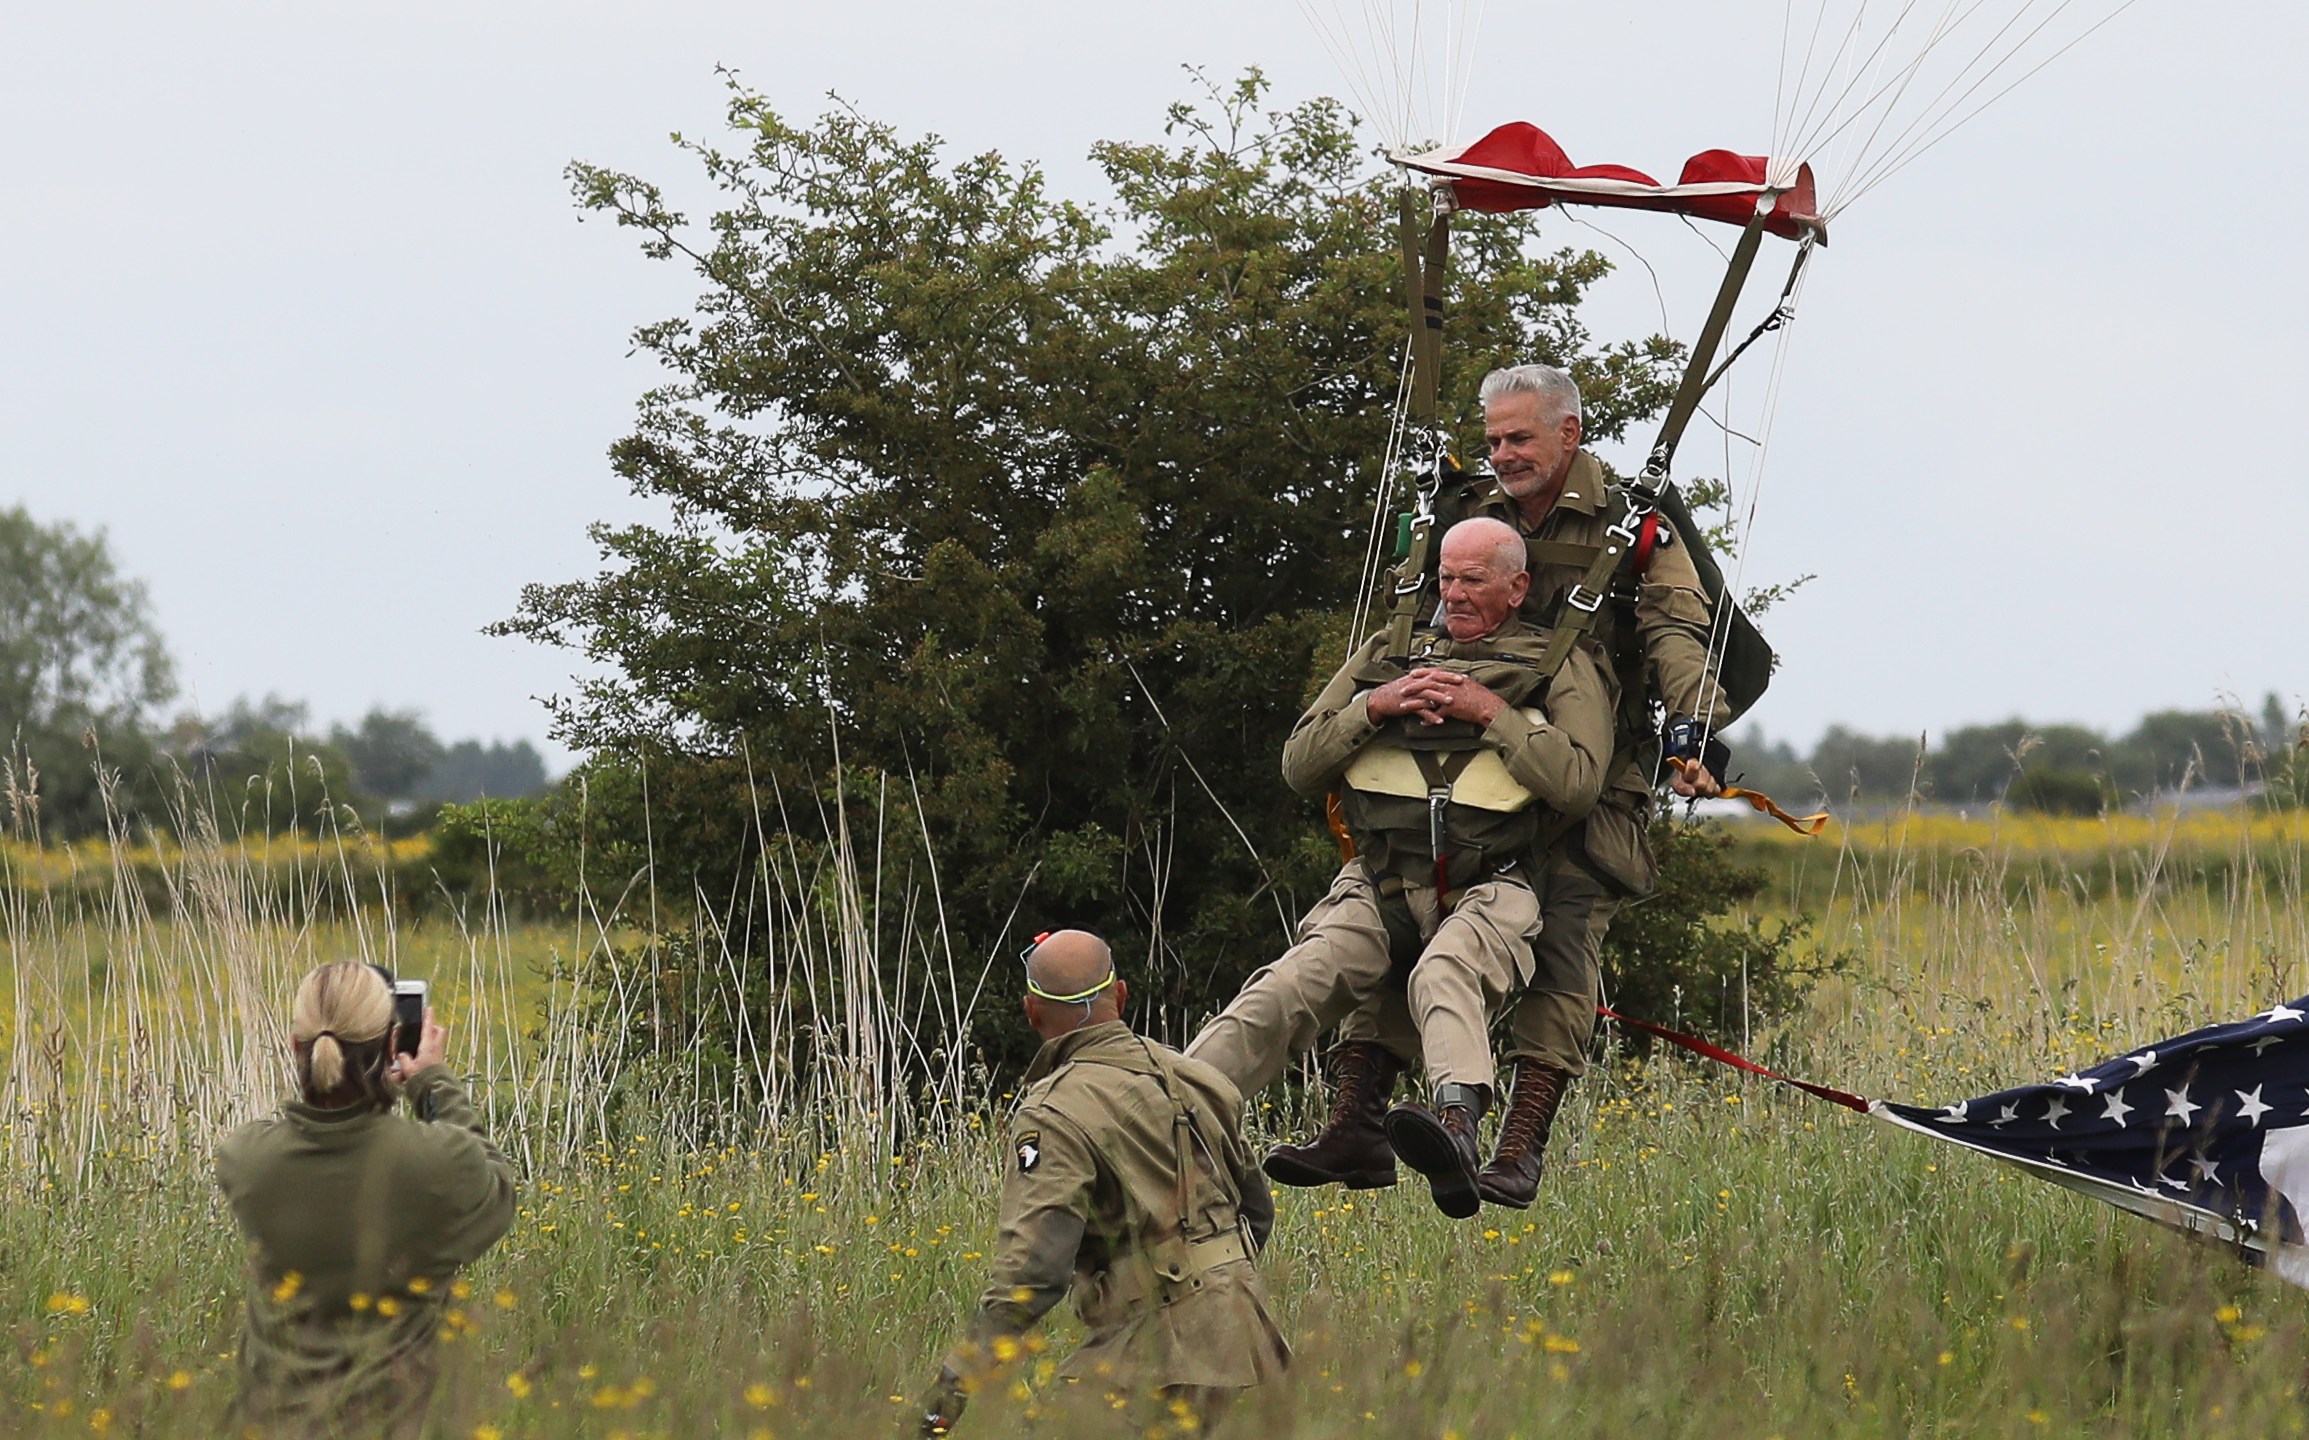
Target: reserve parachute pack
1435,803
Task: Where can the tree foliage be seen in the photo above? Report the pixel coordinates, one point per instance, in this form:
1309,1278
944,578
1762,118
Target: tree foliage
2060,769
1671,961
1025,523
83,670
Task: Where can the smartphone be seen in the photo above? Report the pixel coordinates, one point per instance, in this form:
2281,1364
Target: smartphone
409,998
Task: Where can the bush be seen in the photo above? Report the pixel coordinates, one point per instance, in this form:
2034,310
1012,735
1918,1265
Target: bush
1673,959
2057,790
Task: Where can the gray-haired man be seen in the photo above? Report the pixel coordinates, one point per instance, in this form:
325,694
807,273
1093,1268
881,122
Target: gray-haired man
1656,629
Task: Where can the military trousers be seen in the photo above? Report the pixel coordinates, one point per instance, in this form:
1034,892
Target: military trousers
1553,1020
1472,960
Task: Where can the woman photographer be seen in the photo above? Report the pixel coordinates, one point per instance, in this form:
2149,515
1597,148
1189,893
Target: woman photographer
357,1218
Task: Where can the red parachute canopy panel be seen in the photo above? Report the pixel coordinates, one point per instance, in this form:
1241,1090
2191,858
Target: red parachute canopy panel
1520,167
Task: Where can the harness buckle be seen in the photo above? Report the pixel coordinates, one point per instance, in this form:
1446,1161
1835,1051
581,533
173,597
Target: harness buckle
1582,599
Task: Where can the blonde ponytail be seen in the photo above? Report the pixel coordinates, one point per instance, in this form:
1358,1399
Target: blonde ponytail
341,1016
325,1065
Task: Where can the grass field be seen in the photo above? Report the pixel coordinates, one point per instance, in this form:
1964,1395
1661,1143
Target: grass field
1709,1257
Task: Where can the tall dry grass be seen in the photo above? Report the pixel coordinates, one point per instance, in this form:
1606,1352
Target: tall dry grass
1708,1257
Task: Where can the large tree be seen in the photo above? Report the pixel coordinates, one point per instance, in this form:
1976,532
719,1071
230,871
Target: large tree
1041,517
83,671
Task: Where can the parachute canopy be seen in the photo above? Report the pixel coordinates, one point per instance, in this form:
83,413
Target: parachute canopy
1520,167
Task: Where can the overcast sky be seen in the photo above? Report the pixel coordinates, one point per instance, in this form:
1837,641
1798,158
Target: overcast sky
297,309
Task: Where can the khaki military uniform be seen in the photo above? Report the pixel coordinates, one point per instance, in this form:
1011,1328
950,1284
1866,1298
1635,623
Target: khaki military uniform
1472,957
357,1221
1158,1254
1607,857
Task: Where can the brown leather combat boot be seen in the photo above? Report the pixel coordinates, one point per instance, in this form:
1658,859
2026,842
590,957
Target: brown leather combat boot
1512,1177
1352,1150
1440,1144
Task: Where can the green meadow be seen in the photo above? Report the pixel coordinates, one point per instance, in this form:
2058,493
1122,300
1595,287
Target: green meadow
1710,1256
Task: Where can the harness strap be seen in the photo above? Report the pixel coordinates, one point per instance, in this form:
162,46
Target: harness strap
1441,770
1558,552
1185,1140
1424,259
1631,503
1410,584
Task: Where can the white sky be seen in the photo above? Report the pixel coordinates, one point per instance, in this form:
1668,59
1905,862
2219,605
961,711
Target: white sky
296,307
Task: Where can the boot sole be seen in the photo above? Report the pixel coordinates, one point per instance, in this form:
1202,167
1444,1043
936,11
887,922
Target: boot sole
1284,1171
1492,1196
1426,1147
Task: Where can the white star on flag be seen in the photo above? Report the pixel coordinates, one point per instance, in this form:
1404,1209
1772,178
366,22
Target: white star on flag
2079,1081
2265,1042
2117,1109
2147,1060
2177,1102
2006,1115
2276,1013
1955,1112
2205,1168
2055,1111
2254,1106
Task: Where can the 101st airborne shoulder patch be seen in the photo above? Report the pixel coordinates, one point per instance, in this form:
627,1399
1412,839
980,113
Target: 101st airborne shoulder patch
1029,1151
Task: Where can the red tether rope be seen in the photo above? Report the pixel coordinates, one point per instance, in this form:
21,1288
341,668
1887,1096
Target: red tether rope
1722,1056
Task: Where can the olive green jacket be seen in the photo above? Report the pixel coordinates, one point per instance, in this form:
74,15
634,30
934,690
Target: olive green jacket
1091,1204
1560,758
1671,610
1671,621
357,1221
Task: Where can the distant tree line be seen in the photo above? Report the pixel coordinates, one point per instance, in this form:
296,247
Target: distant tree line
2057,769
85,684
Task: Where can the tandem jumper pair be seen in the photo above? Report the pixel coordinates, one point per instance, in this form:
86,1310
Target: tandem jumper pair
1519,167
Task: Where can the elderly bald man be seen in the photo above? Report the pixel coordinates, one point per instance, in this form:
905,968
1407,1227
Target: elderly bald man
1450,765
1130,1183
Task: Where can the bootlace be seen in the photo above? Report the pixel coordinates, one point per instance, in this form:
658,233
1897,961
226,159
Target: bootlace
1354,1075
1527,1122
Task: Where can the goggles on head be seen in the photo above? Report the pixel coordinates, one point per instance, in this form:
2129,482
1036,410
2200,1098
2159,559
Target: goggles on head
1026,957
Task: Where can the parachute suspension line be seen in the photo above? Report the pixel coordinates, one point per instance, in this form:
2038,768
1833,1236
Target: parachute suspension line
1781,314
1881,95
1885,83
1719,635
1789,127
1707,239
1407,66
1891,166
1886,99
1398,417
1658,294
1462,71
1366,92
1423,267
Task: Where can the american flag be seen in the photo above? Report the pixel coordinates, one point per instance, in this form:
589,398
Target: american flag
2208,1132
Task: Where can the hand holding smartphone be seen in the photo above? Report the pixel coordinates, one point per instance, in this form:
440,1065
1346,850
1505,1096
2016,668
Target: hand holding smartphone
409,1000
